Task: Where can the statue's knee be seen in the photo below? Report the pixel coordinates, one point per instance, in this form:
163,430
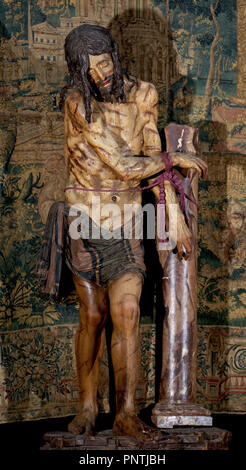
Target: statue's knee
129,314
93,319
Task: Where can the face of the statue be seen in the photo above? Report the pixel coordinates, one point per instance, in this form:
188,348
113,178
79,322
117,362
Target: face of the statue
101,73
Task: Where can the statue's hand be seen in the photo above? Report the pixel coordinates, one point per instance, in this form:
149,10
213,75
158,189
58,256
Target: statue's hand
186,160
184,242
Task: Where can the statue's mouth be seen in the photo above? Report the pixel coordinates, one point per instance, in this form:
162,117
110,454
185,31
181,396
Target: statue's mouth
106,83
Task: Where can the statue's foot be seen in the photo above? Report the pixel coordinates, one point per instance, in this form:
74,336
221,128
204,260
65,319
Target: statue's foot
83,422
128,424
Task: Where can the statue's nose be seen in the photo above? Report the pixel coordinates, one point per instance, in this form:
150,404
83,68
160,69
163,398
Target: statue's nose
100,74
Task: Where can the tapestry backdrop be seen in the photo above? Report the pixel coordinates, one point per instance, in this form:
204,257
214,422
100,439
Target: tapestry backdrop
194,54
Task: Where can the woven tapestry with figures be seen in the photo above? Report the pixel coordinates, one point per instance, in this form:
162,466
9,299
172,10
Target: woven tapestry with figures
222,284
199,72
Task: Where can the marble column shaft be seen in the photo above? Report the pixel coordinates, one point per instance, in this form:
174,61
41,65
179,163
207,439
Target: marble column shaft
178,377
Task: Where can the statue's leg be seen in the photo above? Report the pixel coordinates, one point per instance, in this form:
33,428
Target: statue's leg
124,296
89,345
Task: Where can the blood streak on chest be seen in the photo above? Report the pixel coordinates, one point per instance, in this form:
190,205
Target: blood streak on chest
121,118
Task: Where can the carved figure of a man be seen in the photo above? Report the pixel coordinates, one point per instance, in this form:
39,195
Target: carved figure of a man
110,129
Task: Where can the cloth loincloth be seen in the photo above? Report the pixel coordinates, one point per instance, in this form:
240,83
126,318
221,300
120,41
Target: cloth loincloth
97,260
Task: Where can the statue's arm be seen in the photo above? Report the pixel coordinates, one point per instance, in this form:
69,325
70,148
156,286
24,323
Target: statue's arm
148,105
152,145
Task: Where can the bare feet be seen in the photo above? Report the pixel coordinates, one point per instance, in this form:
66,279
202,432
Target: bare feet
128,424
84,422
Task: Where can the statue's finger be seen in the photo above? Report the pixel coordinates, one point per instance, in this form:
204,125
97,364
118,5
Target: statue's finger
203,167
187,253
205,172
199,170
180,250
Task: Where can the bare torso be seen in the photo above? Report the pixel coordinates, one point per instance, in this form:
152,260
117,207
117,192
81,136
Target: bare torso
102,154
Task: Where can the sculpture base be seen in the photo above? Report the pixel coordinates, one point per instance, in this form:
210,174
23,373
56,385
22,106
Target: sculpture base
166,415
172,439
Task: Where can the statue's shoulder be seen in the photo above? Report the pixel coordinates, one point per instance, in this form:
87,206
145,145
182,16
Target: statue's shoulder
145,93
74,101
73,96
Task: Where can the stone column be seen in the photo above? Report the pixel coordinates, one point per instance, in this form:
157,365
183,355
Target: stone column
241,47
77,8
30,38
177,397
132,6
84,8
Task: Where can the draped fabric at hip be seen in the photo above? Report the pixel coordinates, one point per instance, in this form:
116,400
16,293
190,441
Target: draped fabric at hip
97,260
49,266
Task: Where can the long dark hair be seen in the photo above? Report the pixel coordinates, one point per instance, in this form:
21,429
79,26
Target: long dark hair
80,42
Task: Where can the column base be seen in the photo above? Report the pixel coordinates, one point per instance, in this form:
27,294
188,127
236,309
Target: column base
167,415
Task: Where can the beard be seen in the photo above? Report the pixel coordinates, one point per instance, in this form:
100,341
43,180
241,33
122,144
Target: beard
104,93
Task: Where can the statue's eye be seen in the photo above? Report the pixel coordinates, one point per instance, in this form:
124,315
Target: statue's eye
105,63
